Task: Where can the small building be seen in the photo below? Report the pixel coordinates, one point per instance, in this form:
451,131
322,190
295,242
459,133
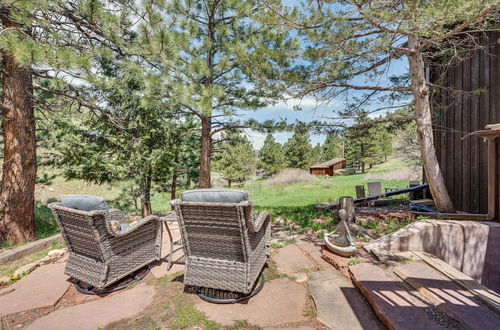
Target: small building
328,168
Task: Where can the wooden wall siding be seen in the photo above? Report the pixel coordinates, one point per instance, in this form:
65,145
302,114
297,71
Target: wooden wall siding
328,170
464,162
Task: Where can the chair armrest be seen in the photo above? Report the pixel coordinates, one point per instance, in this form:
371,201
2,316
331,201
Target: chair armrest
117,215
255,223
132,228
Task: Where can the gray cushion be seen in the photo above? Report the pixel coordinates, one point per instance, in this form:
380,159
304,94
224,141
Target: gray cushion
214,196
84,202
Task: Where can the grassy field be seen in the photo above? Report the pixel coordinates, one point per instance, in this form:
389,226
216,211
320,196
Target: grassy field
292,202
296,201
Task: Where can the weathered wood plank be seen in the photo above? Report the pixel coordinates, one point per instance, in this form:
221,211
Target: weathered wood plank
465,204
489,297
484,118
395,306
457,141
445,295
474,119
370,198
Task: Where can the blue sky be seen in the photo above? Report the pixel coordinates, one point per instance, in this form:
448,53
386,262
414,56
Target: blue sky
314,110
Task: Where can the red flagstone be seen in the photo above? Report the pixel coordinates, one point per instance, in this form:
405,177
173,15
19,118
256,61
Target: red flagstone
41,288
99,313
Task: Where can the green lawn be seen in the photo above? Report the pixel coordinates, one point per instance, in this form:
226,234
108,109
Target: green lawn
296,202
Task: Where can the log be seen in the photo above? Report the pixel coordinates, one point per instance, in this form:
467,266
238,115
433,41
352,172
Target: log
330,206
346,203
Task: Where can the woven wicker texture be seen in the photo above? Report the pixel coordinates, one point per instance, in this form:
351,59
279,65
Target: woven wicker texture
99,256
225,245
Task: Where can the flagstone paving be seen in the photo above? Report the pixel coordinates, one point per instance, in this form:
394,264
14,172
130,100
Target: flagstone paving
290,259
98,313
339,304
42,288
312,246
281,301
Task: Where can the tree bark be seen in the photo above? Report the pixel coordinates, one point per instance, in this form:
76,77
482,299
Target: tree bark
173,186
206,151
420,91
17,194
146,196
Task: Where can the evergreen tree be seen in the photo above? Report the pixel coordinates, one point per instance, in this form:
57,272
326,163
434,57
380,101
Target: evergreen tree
332,147
212,51
384,143
361,144
39,40
271,156
236,161
317,153
298,149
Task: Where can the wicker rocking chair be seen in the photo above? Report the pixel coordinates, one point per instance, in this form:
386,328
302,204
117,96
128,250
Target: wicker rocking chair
98,254
226,247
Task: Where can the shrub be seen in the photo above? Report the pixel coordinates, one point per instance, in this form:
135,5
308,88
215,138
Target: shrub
290,176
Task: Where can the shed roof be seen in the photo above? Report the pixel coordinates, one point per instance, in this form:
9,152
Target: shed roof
329,163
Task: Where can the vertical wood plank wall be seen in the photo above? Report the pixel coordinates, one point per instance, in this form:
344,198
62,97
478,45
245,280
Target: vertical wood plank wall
464,162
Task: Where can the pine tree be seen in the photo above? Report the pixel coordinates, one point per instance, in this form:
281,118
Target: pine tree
271,156
361,144
236,161
213,51
332,147
317,152
38,40
384,143
298,149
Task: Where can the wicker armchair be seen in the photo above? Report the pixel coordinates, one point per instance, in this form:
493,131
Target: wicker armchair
100,256
226,247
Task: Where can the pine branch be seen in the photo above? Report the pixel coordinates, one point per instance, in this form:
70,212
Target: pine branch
357,87
388,120
460,27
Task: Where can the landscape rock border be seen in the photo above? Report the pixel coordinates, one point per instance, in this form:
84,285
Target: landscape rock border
21,251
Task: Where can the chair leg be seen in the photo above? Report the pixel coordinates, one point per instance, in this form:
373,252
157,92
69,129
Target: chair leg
233,300
79,288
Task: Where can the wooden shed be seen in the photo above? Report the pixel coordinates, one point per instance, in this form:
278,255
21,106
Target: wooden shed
328,168
464,159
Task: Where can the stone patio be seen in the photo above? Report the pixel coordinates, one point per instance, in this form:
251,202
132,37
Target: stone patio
45,299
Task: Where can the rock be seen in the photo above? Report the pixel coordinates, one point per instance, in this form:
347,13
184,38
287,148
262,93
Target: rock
320,232
57,252
42,288
299,277
26,268
284,236
339,304
280,301
97,314
279,221
290,260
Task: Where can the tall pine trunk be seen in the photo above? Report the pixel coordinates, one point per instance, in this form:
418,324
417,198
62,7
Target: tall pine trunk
420,91
17,194
206,150
146,195
173,186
